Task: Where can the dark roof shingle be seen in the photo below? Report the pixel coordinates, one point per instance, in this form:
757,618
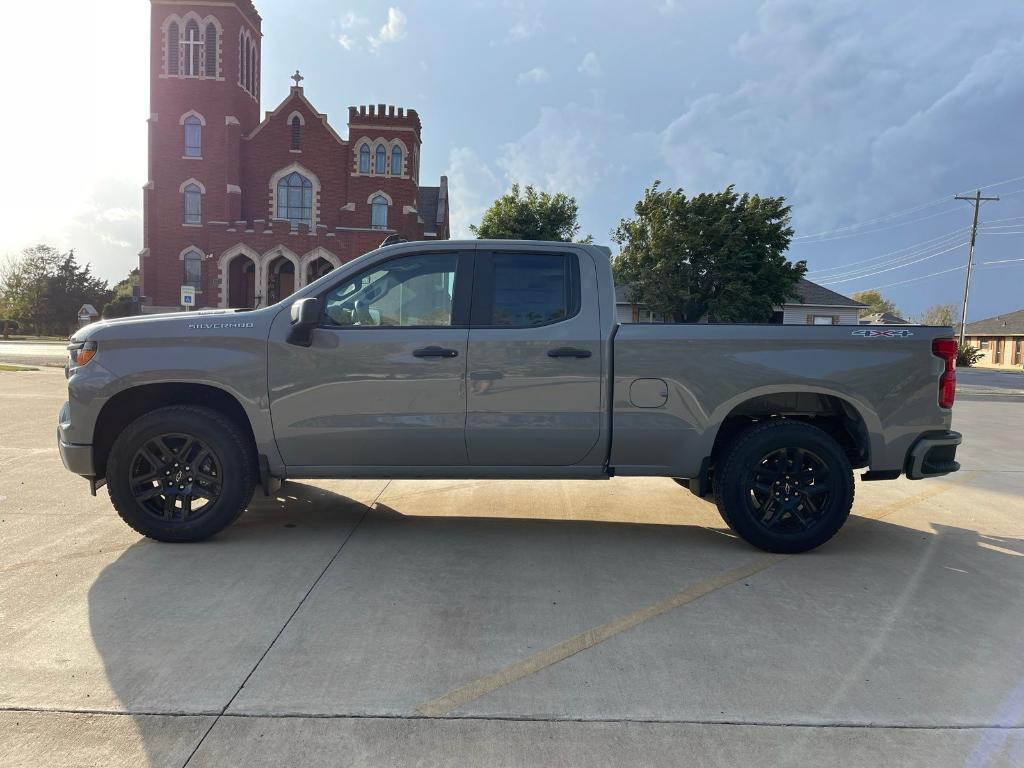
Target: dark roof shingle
812,293
1000,325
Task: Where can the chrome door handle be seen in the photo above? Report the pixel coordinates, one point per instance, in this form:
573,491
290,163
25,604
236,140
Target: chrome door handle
568,352
435,352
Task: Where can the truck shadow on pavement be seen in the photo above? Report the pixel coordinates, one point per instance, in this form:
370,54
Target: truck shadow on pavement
367,611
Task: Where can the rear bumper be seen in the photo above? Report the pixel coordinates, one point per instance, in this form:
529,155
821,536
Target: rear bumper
933,454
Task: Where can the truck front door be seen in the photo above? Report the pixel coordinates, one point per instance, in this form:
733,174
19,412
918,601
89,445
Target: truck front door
383,382
534,371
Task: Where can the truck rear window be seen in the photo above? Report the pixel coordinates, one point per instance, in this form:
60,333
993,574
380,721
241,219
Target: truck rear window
521,290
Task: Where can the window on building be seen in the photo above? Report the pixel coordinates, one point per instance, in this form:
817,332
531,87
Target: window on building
243,58
406,292
821,320
382,159
295,199
193,137
211,50
525,290
193,269
379,212
296,132
173,48
984,343
193,204
396,161
364,158
193,50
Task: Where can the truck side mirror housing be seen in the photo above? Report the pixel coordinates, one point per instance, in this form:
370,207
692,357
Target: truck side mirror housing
305,317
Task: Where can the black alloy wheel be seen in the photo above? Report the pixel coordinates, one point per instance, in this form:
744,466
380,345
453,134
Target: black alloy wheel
784,485
789,490
181,473
176,477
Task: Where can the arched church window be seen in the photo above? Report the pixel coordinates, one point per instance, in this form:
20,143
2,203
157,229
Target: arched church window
380,166
364,158
396,161
295,199
173,48
379,212
296,133
210,42
193,204
193,269
193,137
193,50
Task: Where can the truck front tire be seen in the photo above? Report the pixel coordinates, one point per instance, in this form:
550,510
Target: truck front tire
181,473
784,486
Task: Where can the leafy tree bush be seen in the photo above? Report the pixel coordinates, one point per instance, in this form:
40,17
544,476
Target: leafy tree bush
940,314
44,288
122,306
966,355
718,255
875,302
533,216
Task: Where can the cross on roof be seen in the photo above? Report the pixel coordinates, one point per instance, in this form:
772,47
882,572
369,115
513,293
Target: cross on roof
297,78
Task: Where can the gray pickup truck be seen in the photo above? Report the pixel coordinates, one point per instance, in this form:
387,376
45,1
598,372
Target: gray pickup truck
498,359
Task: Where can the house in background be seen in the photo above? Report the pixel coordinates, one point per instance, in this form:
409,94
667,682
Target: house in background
884,318
814,305
1000,339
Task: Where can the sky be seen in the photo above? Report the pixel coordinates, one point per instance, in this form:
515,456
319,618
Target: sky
867,115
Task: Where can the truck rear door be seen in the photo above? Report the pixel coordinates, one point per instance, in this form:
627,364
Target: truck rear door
534,359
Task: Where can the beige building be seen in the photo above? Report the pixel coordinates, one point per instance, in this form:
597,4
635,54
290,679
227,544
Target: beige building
1000,339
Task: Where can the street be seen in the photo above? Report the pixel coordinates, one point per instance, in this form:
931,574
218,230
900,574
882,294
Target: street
500,623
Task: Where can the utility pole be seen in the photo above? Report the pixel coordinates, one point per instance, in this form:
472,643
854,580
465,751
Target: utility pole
977,199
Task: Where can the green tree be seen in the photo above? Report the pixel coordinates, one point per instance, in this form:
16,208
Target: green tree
940,314
126,286
530,216
44,288
718,255
874,303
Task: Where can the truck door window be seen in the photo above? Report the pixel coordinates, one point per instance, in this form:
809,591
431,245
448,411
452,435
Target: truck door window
523,290
411,291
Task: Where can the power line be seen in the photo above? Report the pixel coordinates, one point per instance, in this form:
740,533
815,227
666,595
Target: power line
915,279
1000,261
873,231
890,269
897,214
933,242
849,270
976,201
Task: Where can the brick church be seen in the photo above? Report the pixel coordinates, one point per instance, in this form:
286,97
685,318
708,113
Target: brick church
247,211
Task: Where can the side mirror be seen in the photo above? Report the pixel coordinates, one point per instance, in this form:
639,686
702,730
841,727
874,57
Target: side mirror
305,317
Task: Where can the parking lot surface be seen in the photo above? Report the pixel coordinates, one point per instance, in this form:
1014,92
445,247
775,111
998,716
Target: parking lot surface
501,623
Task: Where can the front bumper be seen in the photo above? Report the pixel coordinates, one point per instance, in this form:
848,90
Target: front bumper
77,458
933,454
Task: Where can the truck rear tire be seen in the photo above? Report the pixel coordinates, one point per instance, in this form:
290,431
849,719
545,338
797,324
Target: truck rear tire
784,486
181,473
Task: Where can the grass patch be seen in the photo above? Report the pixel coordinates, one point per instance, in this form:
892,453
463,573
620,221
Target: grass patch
15,368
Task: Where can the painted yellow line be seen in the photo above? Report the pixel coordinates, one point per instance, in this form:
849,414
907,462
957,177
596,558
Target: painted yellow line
591,637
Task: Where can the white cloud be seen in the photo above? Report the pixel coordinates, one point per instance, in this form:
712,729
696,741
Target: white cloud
590,66
473,186
392,31
533,76
346,42
849,116
350,20
564,152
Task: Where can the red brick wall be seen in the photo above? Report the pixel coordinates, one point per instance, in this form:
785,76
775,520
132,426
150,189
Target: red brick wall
247,155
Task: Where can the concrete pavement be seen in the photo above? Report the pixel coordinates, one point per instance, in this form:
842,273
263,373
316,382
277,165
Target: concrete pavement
554,623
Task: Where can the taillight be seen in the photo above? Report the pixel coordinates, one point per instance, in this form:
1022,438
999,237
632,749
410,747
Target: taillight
946,349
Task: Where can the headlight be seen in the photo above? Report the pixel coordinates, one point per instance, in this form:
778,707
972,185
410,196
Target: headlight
80,353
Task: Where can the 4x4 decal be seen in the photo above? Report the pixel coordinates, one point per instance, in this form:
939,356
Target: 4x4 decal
871,333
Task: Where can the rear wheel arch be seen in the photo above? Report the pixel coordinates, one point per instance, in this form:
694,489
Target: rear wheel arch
843,420
129,404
